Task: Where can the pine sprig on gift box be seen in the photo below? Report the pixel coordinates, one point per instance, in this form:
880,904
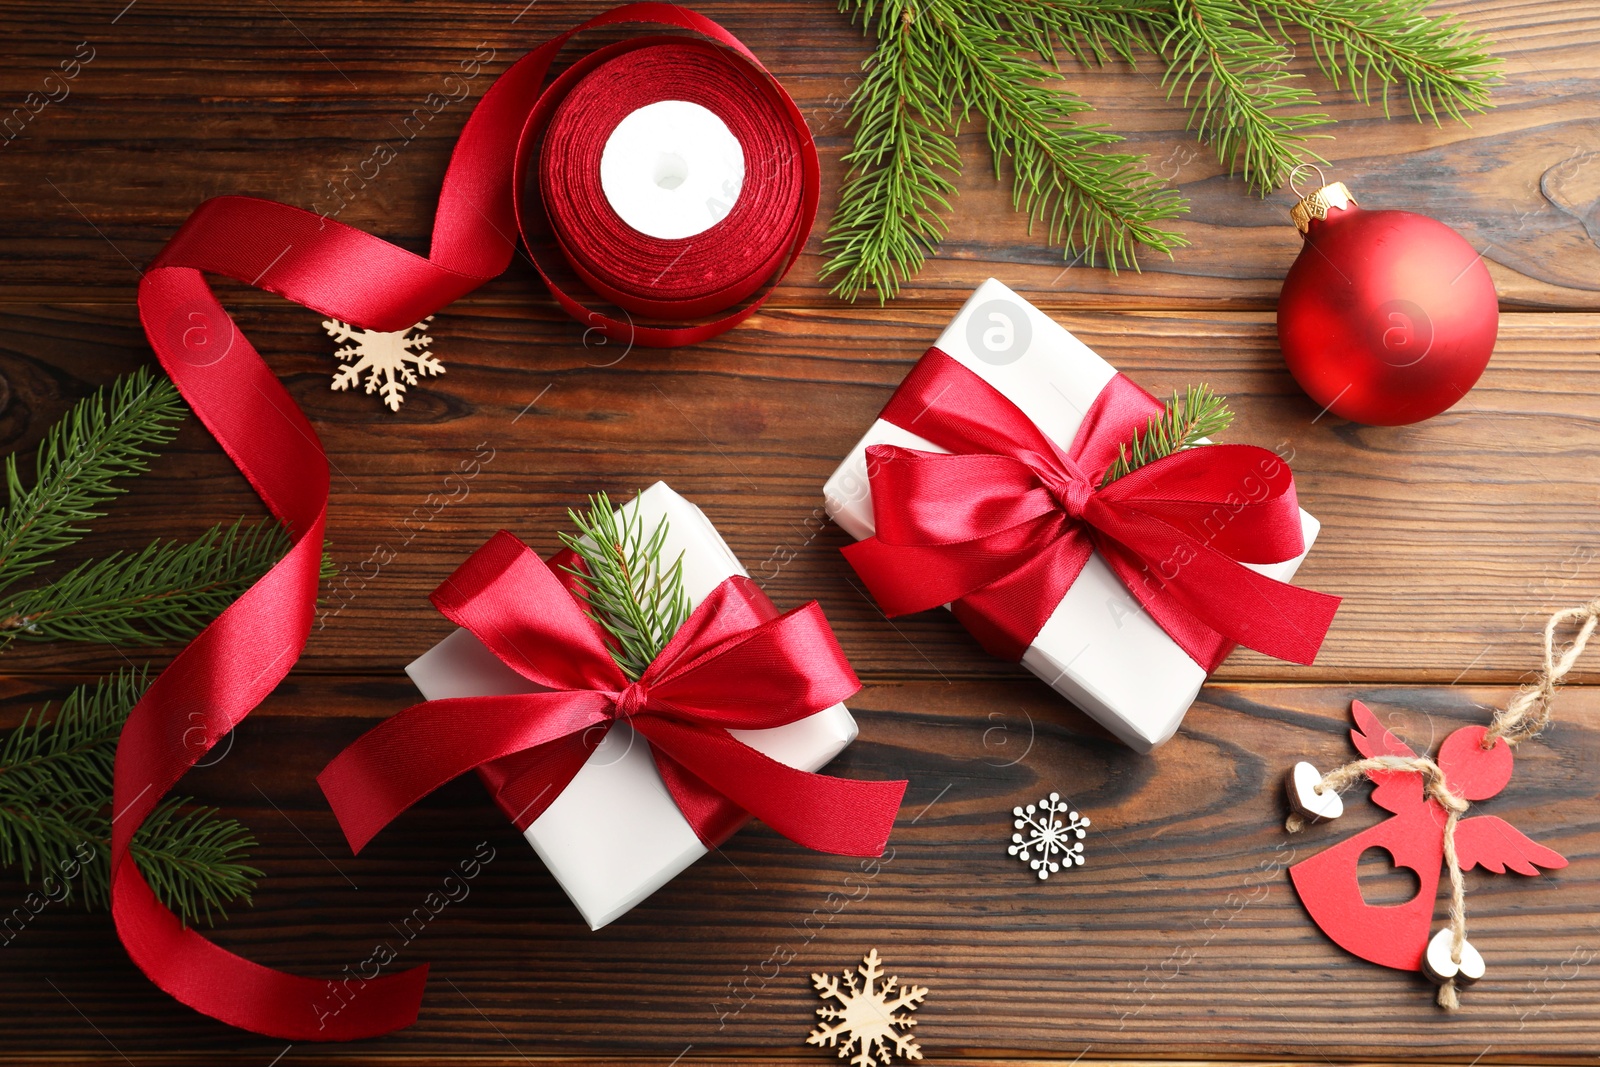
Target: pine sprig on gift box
628,589
1196,413
937,63
55,790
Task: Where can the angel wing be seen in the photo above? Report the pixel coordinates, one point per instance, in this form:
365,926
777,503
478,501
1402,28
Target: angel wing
1490,842
1393,791
1371,737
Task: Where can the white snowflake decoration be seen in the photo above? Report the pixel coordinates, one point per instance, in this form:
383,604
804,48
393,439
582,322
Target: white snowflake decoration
868,1017
1047,844
391,361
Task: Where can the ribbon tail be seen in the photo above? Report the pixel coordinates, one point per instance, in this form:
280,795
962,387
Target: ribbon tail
843,816
1277,619
185,965
1008,613
1280,620
905,579
403,759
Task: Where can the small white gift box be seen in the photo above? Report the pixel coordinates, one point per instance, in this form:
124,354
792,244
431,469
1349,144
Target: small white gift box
1099,648
614,835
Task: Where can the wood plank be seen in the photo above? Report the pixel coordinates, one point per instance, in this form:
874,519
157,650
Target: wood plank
184,100
1451,540
1181,935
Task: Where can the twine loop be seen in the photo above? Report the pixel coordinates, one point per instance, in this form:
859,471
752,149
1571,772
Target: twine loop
1529,711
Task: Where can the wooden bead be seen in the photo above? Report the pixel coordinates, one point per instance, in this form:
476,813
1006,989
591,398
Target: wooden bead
1305,799
1440,968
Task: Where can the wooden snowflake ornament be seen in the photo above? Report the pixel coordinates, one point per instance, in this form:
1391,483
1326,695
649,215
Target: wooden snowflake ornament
1046,833
867,1020
391,361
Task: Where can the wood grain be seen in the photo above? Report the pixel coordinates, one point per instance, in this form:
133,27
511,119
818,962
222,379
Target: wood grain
1181,939
175,108
1451,540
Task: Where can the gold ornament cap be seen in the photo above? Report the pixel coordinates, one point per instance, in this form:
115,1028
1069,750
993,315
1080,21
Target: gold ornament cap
1317,205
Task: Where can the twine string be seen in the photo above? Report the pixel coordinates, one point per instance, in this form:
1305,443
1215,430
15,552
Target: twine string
1529,711
1523,717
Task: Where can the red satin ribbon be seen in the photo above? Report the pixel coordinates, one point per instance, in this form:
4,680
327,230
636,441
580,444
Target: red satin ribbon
241,657
1003,526
680,278
735,664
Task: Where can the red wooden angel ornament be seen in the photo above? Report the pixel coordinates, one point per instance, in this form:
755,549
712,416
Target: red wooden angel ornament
1429,799
1397,935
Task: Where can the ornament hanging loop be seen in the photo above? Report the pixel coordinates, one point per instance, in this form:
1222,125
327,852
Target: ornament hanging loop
1529,711
1299,171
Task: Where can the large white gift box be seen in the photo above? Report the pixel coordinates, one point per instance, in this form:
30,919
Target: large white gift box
614,835
1099,648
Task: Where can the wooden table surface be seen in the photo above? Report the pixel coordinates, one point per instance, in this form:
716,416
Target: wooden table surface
1181,938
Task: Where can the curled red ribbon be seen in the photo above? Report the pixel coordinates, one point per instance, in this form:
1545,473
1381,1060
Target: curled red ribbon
1003,525
242,656
735,664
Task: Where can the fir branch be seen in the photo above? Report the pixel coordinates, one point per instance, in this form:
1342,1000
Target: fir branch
627,592
897,182
167,591
1183,422
104,437
1443,67
1243,99
194,859
1089,199
55,797
936,60
65,760
58,849
1090,31
935,55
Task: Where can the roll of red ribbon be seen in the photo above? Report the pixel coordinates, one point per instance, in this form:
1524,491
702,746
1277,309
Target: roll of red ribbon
233,664
677,279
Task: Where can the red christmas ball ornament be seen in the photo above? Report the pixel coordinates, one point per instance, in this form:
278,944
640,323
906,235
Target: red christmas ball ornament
1386,317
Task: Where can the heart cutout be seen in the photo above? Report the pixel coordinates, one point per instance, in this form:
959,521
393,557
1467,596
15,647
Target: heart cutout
1383,882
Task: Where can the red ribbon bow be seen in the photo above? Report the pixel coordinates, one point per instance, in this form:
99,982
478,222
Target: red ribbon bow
735,664
1003,525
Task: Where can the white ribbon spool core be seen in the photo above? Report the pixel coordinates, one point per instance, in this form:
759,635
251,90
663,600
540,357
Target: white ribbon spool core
672,169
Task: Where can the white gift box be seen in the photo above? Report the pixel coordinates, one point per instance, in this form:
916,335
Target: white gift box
614,835
1099,648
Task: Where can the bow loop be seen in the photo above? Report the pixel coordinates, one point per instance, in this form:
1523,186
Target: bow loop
1002,526
517,606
